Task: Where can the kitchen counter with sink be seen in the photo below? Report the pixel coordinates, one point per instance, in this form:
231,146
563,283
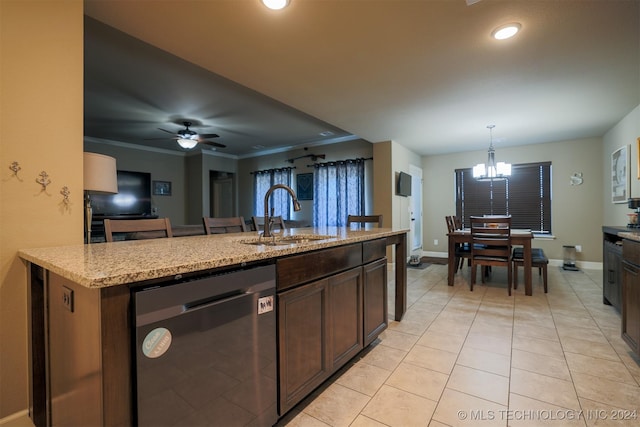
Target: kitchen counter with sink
108,264
330,303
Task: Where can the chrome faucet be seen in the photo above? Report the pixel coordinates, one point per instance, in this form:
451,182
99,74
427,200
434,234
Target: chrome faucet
267,219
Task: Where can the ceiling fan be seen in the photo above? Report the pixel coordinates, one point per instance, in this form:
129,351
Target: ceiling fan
188,139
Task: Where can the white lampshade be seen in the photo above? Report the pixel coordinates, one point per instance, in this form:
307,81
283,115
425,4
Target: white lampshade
100,175
187,143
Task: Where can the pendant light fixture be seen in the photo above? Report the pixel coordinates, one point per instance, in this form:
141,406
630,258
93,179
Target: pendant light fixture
492,170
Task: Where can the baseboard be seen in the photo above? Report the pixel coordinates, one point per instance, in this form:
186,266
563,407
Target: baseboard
587,265
24,414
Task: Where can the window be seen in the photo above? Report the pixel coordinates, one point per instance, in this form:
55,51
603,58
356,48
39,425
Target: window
338,192
526,196
280,201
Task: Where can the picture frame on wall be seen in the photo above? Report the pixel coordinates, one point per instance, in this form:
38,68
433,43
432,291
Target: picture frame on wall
304,182
620,175
161,188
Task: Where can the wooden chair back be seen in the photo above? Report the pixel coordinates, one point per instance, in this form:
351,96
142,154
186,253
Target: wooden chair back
233,224
457,222
451,224
491,244
137,229
364,219
276,223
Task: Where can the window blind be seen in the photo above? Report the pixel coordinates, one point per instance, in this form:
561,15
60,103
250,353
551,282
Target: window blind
526,196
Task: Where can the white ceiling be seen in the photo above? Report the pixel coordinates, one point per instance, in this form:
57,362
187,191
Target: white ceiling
425,74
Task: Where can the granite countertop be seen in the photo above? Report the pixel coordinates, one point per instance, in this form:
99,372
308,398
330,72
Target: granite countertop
631,235
102,265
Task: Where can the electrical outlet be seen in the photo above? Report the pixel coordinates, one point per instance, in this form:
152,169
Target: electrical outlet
435,242
578,248
67,298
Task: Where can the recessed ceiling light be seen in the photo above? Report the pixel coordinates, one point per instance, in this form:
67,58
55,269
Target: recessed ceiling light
506,31
326,133
276,4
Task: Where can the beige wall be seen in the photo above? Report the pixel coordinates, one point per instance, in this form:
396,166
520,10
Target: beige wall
338,151
41,89
41,129
626,132
163,166
391,158
576,216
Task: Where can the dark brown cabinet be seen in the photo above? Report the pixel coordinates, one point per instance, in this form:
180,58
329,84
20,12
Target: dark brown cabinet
303,354
612,266
320,327
375,299
325,322
612,274
345,320
631,295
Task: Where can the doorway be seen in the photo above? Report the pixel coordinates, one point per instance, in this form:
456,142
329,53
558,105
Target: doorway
222,198
415,226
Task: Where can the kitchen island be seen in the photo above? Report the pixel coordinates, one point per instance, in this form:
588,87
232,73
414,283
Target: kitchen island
80,305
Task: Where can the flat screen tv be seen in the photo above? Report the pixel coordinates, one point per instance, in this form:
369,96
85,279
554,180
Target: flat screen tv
133,197
404,184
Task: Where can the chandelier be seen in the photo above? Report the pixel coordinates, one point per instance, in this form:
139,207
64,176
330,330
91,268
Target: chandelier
492,170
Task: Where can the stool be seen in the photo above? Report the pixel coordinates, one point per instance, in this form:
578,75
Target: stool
538,259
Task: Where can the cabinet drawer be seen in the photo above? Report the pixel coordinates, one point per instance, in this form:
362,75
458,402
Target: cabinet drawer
373,250
298,269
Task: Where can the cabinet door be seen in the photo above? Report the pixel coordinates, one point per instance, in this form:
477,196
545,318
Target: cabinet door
303,354
612,274
375,299
631,306
345,296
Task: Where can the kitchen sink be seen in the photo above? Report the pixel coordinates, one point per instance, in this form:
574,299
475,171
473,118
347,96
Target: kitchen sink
286,240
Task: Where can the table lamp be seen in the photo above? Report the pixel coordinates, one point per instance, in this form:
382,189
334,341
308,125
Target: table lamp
100,177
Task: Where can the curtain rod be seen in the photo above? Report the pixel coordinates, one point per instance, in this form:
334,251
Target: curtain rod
340,162
273,170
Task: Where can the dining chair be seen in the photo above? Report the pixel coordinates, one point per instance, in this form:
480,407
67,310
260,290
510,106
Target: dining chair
234,224
364,219
491,245
137,229
276,222
462,251
538,260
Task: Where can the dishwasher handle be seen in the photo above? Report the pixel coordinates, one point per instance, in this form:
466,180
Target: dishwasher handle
191,307
211,302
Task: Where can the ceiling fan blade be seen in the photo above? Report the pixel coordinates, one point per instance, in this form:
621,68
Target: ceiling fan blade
213,144
208,135
167,131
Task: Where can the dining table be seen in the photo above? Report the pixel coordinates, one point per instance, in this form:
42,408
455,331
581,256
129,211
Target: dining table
519,237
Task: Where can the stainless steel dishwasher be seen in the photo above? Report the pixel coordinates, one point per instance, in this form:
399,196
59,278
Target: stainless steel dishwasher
205,350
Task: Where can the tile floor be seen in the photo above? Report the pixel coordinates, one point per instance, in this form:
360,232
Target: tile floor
482,358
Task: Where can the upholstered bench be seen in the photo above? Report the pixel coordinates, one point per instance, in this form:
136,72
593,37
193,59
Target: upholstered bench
538,260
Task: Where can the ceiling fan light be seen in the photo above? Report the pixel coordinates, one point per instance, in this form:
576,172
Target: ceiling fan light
187,143
276,4
506,31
